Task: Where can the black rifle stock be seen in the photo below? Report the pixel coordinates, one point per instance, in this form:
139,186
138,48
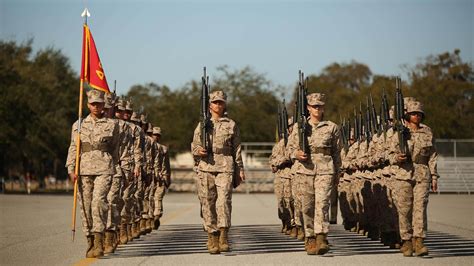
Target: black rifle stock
205,114
399,113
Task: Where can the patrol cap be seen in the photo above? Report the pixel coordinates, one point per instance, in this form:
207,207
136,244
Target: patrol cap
217,96
129,106
121,104
95,96
149,128
143,119
415,106
135,117
156,131
109,100
316,98
407,100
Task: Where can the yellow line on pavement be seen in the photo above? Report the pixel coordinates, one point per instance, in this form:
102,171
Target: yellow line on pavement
166,219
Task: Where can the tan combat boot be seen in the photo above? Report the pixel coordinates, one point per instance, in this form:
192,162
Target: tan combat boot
130,232
407,248
322,246
90,246
213,243
136,230
108,243
143,226
294,232
420,248
311,246
98,250
300,235
156,223
223,240
123,234
149,227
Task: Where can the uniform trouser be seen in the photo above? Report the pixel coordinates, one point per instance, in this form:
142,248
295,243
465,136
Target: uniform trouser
159,193
392,220
278,190
296,194
146,195
289,210
114,199
333,199
139,195
151,210
129,188
215,190
412,202
345,198
359,200
315,201
93,190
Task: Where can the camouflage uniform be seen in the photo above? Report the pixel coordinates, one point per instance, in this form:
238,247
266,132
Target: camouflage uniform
163,174
413,178
281,162
319,171
215,171
99,158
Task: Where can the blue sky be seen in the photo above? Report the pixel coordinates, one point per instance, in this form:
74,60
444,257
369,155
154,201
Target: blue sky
168,42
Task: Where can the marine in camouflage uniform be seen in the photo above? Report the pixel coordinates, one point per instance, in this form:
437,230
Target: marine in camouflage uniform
280,164
130,192
163,176
114,197
147,178
98,160
415,172
318,170
215,172
126,166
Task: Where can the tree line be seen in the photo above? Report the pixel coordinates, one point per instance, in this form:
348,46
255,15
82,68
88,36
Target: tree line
39,97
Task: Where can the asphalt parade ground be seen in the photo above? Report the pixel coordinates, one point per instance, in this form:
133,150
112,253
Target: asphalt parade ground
35,230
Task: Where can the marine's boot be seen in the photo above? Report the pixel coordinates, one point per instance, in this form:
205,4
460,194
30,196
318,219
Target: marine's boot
108,243
311,245
420,248
90,246
407,248
213,243
288,229
300,235
294,232
136,230
116,238
156,223
123,234
223,240
129,232
98,250
149,225
322,246
143,226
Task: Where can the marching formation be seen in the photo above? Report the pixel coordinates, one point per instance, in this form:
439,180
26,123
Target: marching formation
380,169
123,173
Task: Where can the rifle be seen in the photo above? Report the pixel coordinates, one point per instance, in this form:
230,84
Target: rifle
384,114
368,123
361,123
373,117
399,113
356,127
344,136
284,123
302,113
205,113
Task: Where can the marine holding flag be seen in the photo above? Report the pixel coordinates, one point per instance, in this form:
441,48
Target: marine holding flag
93,152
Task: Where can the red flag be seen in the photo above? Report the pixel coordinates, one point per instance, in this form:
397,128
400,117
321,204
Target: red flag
91,70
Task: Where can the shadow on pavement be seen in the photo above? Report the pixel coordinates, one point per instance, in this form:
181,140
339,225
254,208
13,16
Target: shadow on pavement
259,239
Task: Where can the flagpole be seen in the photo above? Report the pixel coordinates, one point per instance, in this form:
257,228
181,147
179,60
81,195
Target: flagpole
84,14
78,153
